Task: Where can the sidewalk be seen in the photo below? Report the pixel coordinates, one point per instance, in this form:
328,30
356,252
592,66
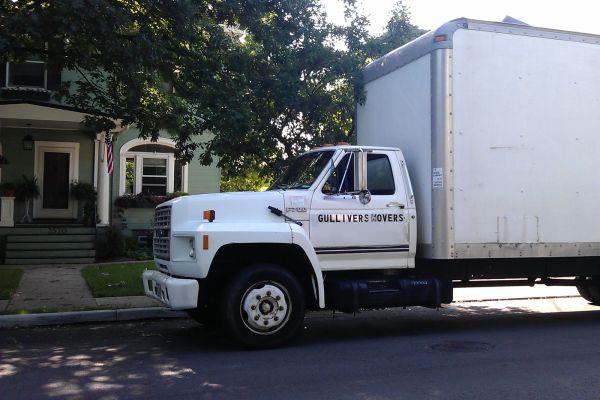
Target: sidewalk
49,294
56,294
62,288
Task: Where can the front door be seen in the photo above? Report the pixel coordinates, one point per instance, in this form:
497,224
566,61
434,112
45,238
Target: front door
352,234
56,167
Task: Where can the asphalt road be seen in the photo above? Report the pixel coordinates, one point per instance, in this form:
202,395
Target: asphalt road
489,350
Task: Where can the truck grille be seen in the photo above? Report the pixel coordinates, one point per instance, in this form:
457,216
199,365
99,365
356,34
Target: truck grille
162,233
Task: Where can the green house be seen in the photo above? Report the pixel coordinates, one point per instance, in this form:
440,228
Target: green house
47,140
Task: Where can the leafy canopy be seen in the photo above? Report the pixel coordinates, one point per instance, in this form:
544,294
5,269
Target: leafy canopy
267,78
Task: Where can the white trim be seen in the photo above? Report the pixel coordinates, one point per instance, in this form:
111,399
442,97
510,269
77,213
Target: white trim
124,153
96,149
68,147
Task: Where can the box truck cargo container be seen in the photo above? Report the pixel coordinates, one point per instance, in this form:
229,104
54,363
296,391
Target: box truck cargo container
478,149
500,127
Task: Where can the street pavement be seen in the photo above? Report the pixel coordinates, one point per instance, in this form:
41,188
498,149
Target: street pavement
545,348
58,294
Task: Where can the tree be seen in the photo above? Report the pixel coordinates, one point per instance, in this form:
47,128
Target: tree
132,57
266,77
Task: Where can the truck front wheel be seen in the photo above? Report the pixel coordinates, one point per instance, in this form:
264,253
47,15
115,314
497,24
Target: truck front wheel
263,306
589,292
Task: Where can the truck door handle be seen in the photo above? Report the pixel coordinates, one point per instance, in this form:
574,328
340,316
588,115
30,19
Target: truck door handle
395,204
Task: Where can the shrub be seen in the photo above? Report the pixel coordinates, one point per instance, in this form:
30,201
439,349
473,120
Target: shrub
144,200
110,244
86,193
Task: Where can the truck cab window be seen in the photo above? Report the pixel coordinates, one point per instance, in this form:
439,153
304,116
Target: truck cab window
380,179
303,171
341,179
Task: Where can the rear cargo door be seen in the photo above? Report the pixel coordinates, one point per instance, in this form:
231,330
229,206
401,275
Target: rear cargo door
354,231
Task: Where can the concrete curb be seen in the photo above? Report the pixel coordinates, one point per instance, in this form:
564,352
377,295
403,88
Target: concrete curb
79,317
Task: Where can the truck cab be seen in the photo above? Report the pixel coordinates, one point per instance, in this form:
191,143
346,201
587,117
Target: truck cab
337,230
356,205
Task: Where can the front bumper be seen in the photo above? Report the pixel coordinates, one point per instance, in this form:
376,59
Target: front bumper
176,293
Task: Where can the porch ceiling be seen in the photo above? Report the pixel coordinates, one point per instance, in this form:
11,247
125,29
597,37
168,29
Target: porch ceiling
36,116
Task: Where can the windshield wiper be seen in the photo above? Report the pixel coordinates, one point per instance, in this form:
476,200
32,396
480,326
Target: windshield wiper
280,213
280,186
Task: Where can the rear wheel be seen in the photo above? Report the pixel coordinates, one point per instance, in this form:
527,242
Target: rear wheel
589,291
263,306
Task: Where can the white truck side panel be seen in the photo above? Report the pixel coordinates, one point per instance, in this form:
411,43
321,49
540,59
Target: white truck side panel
526,143
400,117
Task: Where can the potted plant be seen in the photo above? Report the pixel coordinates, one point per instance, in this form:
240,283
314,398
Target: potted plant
7,189
85,193
26,190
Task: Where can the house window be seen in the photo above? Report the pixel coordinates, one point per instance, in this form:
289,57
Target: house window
31,73
154,175
130,175
151,168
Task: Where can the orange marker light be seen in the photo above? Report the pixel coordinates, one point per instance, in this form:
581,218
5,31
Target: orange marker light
440,38
209,215
205,242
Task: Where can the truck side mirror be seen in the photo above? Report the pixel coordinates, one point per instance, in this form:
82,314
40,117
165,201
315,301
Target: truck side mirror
364,196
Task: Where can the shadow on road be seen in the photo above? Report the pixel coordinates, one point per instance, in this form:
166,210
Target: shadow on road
144,359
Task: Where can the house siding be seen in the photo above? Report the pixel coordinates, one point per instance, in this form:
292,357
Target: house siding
136,221
201,179
21,162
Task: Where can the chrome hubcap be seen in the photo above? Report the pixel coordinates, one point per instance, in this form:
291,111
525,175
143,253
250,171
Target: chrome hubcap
264,308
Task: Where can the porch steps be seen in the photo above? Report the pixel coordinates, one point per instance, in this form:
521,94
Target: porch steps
50,244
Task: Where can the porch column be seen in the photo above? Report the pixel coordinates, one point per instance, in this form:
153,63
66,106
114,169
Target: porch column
103,182
7,217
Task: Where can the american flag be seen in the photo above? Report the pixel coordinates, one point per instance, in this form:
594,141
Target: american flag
109,154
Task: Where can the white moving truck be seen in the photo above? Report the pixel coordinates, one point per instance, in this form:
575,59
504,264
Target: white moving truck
476,165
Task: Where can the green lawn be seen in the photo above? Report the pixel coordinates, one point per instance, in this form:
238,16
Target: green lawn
114,280
9,280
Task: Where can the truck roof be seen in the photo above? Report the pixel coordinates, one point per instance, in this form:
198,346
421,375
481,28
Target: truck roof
442,38
349,146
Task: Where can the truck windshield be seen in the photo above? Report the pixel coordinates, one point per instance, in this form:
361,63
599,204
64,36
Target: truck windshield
303,171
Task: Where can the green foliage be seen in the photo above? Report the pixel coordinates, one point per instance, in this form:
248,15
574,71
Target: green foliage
83,191
8,188
144,200
86,193
268,78
249,179
110,244
27,188
113,280
9,281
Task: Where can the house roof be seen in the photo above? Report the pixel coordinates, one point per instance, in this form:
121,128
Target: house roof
42,115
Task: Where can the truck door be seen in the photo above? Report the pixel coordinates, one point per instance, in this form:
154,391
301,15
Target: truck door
352,228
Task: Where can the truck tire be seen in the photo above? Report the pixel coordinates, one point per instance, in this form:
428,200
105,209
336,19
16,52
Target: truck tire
204,316
589,292
263,306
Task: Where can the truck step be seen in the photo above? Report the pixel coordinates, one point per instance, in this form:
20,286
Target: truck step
351,295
